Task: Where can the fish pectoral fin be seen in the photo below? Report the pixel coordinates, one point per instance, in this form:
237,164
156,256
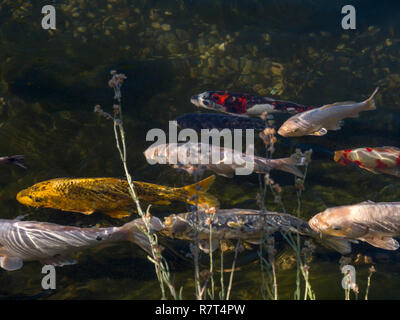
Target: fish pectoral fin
387,243
370,169
11,263
59,261
392,171
256,242
320,132
204,245
87,212
162,202
343,246
118,214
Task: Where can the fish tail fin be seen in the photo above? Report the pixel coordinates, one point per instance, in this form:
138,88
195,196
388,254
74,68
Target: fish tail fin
134,232
197,193
285,164
15,160
370,102
341,245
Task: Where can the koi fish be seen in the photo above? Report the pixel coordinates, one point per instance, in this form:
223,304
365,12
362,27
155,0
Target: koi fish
15,160
197,157
244,104
52,244
199,121
318,121
376,160
109,195
246,224
375,223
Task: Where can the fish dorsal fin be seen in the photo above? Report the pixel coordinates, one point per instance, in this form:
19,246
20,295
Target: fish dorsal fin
343,103
387,243
320,132
11,263
385,148
367,202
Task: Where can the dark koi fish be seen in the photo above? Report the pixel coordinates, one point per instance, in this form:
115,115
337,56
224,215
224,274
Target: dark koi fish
198,121
15,160
244,104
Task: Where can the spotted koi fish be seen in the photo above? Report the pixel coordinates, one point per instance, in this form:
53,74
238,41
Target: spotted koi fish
245,224
244,104
377,160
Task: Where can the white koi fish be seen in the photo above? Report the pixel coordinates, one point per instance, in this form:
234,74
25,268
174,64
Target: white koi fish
375,223
196,157
51,243
317,122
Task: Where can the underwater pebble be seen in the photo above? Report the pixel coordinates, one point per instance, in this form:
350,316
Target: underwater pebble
166,27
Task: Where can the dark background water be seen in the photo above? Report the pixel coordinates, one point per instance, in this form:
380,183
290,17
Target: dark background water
170,50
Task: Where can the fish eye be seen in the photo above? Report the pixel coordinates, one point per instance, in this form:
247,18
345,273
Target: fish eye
206,102
336,228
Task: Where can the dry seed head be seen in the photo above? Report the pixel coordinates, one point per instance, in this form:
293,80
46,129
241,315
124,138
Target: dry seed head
264,115
372,269
299,184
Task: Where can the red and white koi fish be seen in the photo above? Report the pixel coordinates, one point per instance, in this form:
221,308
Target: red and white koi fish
244,104
197,157
318,121
51,243
375,223
376,160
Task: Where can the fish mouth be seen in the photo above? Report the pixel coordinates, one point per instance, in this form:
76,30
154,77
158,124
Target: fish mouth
195,100
24,198
317,225
283,132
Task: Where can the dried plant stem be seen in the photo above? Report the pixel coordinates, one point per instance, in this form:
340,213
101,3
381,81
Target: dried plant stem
369,282
161,266
212,291
222,292
233,270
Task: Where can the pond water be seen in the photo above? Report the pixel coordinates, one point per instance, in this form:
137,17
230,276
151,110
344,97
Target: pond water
50,80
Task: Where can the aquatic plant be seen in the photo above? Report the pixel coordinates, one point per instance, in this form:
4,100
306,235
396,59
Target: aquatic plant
371,271
160,264
302,254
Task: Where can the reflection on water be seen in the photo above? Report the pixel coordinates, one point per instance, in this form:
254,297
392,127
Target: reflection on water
170,50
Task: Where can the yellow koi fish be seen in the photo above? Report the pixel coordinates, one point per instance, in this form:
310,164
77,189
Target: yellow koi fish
110,195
